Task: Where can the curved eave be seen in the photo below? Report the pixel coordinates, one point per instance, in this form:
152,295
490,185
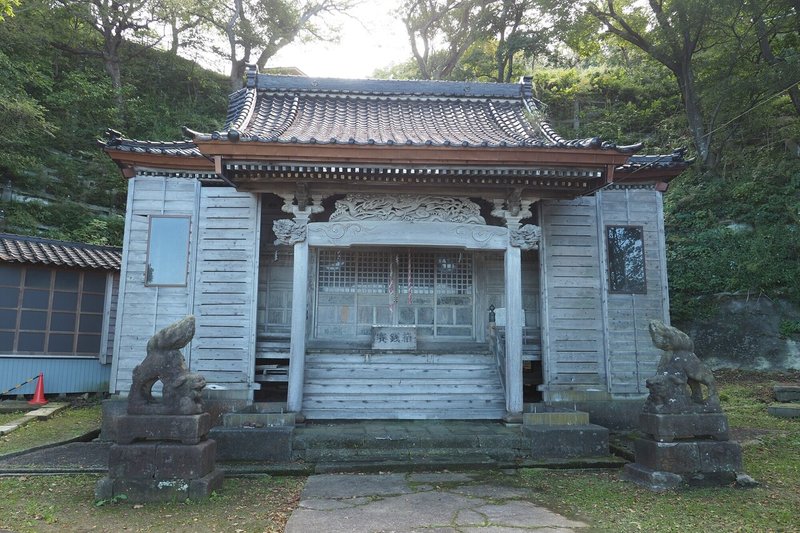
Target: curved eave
412,155
131,160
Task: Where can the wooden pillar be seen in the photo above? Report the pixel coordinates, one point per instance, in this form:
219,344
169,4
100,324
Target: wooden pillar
294,232
513,370
514,209
297,346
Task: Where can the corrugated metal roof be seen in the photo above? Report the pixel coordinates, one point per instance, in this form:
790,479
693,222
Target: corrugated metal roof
36,250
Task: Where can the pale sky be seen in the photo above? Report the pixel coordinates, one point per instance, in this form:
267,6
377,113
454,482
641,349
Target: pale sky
377,41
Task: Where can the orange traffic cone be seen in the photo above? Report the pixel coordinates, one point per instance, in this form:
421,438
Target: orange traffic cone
38,395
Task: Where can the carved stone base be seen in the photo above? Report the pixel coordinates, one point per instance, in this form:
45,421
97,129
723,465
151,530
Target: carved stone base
162,460
584,440
656,481
689,457
668,427
159,490
188,429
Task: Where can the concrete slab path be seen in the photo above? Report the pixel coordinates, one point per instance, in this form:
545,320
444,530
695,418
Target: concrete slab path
416,502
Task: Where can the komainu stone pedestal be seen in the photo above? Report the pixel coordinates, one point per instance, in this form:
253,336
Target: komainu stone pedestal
161,458
666,459
162,450
685,433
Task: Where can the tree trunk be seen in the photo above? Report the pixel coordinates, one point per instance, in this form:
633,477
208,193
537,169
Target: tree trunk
694,114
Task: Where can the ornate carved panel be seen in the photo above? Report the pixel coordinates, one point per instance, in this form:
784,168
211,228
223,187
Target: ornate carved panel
289,231
526,237
407,208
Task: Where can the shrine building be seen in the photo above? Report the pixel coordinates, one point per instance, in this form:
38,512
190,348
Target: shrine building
373,249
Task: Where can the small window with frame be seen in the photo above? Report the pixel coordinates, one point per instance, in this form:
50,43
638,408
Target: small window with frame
626,264
167,251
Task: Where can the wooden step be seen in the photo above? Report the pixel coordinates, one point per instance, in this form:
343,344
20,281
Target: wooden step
402,386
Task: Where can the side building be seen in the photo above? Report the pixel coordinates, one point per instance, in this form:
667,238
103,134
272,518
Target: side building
58,303
365,249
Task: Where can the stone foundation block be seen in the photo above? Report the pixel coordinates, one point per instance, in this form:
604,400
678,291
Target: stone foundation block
787,393
689,457
556,418
159,490
188,429
652,479
784,410
668,427
272,444
586,440
162,460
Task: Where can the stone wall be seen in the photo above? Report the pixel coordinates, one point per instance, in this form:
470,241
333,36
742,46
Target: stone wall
743,331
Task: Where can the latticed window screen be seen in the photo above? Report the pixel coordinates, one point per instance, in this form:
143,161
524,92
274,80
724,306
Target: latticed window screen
373,274
360,288
453,273
337,271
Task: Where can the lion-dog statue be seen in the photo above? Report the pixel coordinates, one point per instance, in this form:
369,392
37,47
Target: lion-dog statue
679,372
181,393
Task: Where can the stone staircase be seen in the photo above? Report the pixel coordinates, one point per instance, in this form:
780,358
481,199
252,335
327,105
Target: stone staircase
406,446
348,386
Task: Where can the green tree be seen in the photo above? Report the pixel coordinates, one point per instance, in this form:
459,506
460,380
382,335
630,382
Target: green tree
256,29
7,8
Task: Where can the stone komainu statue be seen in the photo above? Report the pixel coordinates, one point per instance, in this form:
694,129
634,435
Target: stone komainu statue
678,384
164,362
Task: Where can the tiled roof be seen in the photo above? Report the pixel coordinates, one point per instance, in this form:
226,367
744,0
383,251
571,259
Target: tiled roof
177,148
664,161
301,110
23,249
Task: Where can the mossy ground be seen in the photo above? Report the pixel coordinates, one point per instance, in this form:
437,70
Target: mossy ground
771,455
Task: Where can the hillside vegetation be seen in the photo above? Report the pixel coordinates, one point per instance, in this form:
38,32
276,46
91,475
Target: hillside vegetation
733,219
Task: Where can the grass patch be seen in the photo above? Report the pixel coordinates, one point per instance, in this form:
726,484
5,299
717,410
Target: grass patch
66,503
771,448
67,424
8,417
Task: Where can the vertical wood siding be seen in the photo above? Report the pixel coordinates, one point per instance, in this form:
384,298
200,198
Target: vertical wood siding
632,358
573,347
223,348
143,310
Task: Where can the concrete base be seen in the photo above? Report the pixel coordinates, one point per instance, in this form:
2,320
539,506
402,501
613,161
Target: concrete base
567,441
690,457
656,481
787,393
159,490
273,444
784,410
159,460
188,429
668,427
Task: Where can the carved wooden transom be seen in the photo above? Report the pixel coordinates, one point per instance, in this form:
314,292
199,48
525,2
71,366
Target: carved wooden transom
407,208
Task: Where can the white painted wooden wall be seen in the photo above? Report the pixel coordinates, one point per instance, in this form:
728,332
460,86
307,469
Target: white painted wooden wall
595,344
632,358
144,310
225,293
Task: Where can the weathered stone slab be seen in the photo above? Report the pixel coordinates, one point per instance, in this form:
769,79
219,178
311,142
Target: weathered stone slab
787,393
44,413
657,481
668,427
155,490
587,440
188,429
555,418
157,460
258,420
272,444
689,457
784,410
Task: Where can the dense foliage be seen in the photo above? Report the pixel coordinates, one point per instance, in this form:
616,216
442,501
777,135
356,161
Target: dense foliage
733,220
